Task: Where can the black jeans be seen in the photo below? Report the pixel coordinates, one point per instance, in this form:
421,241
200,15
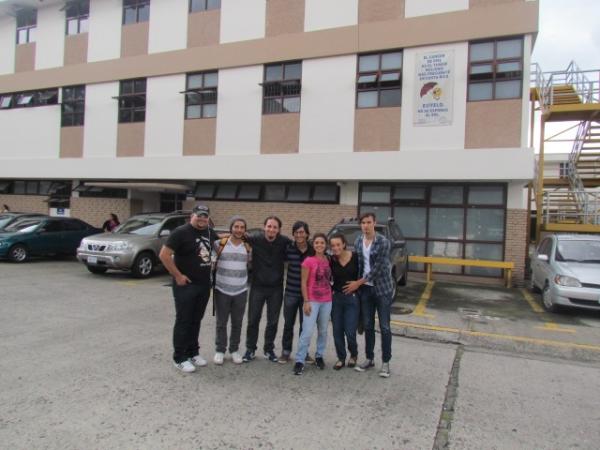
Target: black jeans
234,306
273,297
292,308
369,303
190,305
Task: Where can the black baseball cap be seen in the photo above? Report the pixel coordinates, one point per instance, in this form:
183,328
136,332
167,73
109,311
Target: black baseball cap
201,210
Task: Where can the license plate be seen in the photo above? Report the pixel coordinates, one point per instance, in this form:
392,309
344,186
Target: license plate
92,260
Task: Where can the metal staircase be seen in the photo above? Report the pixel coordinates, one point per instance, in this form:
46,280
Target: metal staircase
569,96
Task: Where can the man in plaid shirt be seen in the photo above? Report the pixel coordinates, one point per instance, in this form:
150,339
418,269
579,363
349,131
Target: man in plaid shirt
375,289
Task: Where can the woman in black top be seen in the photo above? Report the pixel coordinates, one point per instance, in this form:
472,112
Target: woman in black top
111,223
344,315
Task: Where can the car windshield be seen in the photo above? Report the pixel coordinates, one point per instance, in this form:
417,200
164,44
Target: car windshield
22,226
351,233
4,220
141,225
578,251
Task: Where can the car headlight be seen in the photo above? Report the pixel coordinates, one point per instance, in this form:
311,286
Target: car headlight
563,280
118,246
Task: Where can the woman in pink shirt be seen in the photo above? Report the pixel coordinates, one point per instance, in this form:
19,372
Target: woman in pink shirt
317,295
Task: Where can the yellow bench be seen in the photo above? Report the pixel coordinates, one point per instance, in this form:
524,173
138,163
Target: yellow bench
507,267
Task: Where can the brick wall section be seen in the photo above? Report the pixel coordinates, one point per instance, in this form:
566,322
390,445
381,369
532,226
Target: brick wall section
96,210
516,240
320,218
25,203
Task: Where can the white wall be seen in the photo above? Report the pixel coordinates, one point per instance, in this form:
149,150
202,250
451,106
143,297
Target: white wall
150,200
30,133
327,110
8,38
434,137
168,25
104,38
415,8
50,37
164,116
239,116
101,118
516,199
242,20
321,14
349,192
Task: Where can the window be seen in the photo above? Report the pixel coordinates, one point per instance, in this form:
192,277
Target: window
42,187
268,192
281,88
496,69
379,80
26,25
132,100
6,101
135,11
77,13
29,99
204,5
171,202
73,106
201,95
86,190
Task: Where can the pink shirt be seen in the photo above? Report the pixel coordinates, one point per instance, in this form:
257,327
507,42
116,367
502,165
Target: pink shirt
319,277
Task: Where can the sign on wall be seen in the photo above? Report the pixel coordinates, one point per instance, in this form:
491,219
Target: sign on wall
435,88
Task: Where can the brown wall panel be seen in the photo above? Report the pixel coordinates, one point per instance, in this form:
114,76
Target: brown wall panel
71,142
204,28
96,210
130,139
76,48
199,136
492,124
280,133
377,129
134,39
25,57
378,10
284,16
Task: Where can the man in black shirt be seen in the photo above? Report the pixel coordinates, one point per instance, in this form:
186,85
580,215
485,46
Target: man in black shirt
268,258
187,257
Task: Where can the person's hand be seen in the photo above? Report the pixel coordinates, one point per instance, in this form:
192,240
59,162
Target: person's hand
351,287
307,308
182,280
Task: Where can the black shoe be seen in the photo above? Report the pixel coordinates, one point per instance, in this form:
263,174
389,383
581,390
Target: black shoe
248,356
319,362
298,368
271,356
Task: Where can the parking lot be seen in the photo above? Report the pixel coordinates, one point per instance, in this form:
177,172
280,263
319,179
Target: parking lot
86,364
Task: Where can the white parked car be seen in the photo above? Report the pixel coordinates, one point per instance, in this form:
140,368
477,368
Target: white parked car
566,269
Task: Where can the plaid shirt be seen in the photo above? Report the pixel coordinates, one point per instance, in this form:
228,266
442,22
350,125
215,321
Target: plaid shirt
381,267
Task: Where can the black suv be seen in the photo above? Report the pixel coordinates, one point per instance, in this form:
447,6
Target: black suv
350,228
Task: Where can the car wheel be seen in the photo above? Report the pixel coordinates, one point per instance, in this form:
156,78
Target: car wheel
547,301
18,253
143,265
96,269
404,279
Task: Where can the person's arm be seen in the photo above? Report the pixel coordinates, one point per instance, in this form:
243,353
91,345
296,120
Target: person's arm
166,257
304,285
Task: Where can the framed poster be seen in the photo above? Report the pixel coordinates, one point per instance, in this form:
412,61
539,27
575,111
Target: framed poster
434,88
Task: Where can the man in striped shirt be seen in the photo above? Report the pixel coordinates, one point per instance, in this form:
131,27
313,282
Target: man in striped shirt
292,303
231,289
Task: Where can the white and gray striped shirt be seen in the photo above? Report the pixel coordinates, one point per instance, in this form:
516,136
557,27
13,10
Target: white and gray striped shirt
232,269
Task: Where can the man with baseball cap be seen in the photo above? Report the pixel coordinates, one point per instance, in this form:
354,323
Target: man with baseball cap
187,257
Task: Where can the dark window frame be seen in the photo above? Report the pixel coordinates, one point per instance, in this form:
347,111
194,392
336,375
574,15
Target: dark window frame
494,62
377,86
138,6
281,89
77,11
74,100
202,96
27,22
262,195
132,102
204,5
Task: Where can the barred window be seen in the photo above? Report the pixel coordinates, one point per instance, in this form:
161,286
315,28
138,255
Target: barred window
26,25
73,106
77,13
204,5
496,69
132,100
135,11
379,80
201,95
282,84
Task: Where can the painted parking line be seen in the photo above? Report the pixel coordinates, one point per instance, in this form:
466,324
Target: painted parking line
422,305
507,337
549,324
129,283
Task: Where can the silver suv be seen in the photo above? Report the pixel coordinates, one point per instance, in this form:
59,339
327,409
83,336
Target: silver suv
133,246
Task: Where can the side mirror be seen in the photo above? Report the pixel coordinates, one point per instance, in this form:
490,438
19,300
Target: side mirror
164,233
542,258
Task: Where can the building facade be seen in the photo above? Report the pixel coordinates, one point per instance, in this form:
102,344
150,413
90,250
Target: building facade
309,109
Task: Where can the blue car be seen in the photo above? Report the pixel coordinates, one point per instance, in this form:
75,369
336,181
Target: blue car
43,236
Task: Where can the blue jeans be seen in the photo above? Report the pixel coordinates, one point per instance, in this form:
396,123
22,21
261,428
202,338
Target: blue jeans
344,317
369,303
319,314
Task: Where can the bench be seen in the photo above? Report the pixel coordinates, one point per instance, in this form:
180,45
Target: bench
506,266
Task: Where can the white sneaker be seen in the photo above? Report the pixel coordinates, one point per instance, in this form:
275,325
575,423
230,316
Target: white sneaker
237,358
198,361
185,367
219,357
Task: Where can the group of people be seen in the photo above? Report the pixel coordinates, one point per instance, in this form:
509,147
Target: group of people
340,285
